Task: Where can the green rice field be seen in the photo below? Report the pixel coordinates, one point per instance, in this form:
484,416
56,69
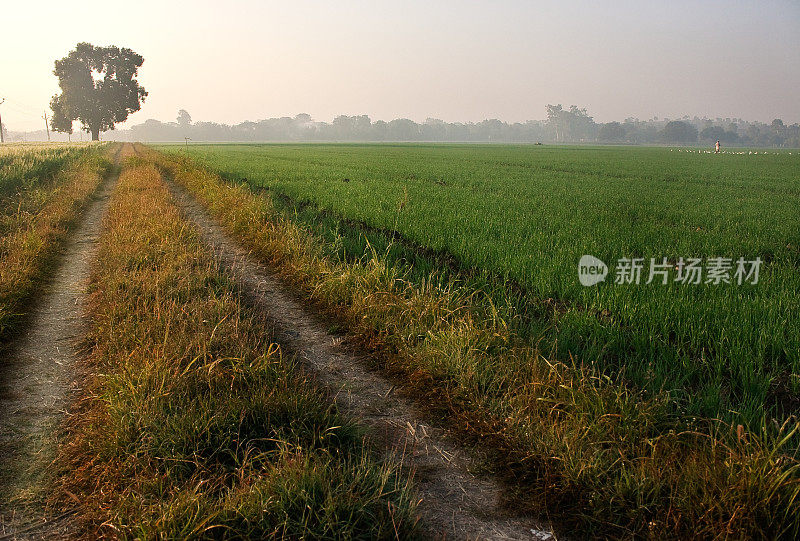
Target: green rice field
523,216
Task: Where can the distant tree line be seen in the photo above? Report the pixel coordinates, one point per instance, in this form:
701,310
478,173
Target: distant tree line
562,125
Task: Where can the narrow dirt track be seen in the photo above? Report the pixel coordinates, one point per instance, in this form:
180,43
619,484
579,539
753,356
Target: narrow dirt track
36,378
456,504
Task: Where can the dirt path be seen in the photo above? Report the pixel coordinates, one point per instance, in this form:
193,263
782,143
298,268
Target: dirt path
36,379
456,504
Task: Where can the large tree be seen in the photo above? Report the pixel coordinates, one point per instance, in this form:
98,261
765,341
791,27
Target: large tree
98,87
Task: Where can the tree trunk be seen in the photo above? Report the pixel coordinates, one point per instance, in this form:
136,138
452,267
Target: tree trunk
95,134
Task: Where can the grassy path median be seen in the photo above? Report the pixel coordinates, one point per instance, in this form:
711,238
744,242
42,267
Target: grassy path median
194,423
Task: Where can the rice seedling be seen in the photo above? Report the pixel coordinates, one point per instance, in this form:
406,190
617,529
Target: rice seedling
526,215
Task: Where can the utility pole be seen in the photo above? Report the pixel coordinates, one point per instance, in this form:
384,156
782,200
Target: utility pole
2,137
46,126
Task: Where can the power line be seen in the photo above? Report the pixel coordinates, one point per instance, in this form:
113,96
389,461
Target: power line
22,110
19,111
22,107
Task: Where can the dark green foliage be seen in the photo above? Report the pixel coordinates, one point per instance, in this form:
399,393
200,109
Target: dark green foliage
678,131
98,87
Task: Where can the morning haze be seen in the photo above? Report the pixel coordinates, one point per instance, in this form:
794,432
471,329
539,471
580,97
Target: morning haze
458,61
400,270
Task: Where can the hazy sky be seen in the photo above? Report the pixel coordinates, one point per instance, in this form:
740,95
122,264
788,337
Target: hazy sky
456,60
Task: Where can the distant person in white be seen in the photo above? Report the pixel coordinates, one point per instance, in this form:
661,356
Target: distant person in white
716,147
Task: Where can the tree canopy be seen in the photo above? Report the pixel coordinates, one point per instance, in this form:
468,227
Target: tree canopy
612,132
98,87
184,118
731,131
574,124
678,131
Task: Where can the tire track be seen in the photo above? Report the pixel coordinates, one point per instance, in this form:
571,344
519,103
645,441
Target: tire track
456,504
36,377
